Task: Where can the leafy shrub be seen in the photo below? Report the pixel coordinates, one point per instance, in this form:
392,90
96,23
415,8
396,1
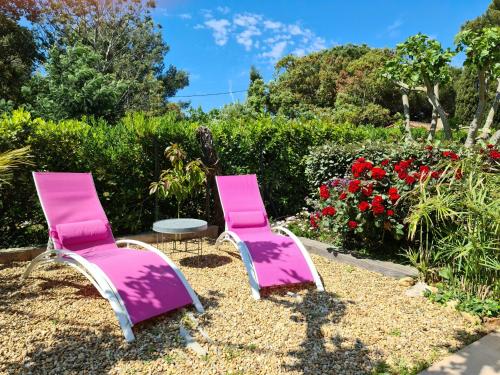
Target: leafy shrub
488,307
369,114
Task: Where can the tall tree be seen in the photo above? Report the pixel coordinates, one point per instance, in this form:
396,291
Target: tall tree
75,86
257,96
482,50
18,58
129,44
16,9
309,82
421,63
490,18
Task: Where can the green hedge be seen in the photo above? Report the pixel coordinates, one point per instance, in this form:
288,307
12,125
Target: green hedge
122,159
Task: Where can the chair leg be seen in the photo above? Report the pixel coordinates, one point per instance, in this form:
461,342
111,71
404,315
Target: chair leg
40,259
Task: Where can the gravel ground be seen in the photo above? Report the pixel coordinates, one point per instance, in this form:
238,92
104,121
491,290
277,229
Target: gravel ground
58,324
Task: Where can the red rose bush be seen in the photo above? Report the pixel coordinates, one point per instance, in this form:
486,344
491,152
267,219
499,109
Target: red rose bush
366,208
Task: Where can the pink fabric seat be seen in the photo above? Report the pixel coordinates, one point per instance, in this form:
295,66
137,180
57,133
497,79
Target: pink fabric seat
145,282
147,285
277,259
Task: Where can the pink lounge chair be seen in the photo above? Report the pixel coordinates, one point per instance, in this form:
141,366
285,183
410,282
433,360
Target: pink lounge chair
271,259
138,284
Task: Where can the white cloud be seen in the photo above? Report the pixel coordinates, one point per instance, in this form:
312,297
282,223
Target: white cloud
393,30
271,39
245,38
220,30
395,25
246,20
276,51
185,16
294,30
268,24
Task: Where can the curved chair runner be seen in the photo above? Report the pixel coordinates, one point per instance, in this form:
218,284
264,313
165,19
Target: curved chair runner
138,284
270,258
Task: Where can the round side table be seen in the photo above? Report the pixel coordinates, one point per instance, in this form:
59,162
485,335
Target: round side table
176,228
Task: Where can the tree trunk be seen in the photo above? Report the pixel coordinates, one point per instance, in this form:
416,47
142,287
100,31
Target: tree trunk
156,177
442,114
491,114
478,116
406,109
435,117
495,138
211,161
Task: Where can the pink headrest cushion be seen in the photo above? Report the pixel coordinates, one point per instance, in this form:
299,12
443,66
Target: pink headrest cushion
246,219
82,232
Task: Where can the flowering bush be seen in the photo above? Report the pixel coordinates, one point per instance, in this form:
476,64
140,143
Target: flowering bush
366,208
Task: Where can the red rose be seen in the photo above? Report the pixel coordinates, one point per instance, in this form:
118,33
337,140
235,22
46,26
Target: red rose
312,221
392,190
490,146
368,190
324,193
390,213
424,169
450,154
394,197
360,160
343,196
436,174
393,194
352,224
410,180
494,154
377,206
458,174
429,148
363,206
402,165
402,175
360,166
378,209
378,173
354,186
384,162
329,211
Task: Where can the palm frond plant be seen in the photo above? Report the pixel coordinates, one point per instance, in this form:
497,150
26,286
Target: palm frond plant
10,160
182,180
456,224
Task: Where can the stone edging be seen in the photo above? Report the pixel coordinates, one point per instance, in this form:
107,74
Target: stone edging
390,269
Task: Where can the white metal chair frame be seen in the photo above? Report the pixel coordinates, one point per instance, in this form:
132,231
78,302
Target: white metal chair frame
232,237
101,281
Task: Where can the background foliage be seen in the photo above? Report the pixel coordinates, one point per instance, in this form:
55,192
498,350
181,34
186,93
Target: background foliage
124,157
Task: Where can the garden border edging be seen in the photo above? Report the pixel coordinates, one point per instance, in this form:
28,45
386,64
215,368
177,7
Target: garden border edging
389,269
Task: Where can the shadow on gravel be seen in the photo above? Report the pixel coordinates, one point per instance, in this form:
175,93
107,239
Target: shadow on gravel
319,354
78,350
205,261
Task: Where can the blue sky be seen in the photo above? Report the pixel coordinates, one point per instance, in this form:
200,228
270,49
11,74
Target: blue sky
218,41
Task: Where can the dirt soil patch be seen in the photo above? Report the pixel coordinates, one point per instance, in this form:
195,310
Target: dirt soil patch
57,323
